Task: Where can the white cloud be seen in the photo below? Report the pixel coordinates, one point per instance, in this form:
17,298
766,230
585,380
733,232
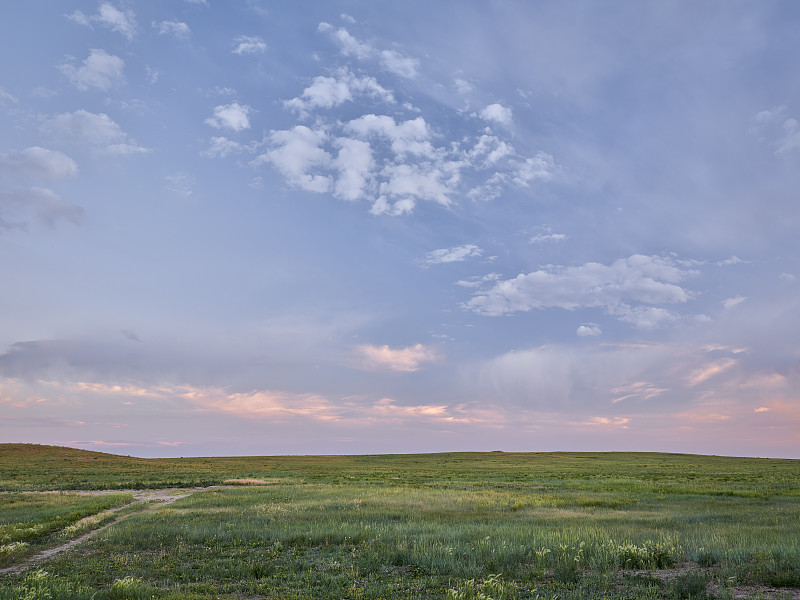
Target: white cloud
6,96
382,206
100,70
404,360
417,181
247,44
178,29
233,116
463,86
490,150
408,137
778,129
37,163
354,163
328,92
152,74
96,130
449,255
180,183
110,17
644,280
497,113
547,237
348,45
43,204
731,302
588,330
399,163
294,153
126,149
788,277
398,64
478,280
221,147
645,318
536,168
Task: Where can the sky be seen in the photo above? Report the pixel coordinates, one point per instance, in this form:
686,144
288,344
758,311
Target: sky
346,227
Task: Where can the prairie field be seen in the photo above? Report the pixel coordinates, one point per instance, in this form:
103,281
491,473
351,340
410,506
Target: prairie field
486,526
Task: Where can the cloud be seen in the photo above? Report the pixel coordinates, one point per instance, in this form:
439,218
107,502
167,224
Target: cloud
407,137
233,116
221,147
246,44
390,60
260,404
294,153
398,161
354,163
731,302
95,130
589,330
110,17
536,168
328,92
547,237
131,335
449,255
647,280
612,422
37,163
399,64
776,128
639,390
478,280
348,45
176,28
382,206
100,70
180,183
43,204
405,360
497,113
6,96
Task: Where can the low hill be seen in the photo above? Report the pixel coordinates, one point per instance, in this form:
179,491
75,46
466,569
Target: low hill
37,467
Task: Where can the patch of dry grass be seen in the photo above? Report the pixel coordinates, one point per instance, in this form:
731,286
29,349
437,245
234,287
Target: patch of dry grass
251,481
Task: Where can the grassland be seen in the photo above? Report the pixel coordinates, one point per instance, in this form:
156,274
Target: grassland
456,526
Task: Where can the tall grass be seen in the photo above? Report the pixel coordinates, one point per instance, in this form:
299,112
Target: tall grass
458,526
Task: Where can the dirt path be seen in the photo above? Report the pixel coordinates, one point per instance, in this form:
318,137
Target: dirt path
160,497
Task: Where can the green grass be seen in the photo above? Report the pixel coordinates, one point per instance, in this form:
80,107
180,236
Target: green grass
30,522
456,526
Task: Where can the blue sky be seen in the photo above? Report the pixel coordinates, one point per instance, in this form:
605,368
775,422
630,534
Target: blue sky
353,227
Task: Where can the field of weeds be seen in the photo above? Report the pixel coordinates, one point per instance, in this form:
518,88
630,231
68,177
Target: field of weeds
486,526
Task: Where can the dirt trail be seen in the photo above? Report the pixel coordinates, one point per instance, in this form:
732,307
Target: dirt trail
160,497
